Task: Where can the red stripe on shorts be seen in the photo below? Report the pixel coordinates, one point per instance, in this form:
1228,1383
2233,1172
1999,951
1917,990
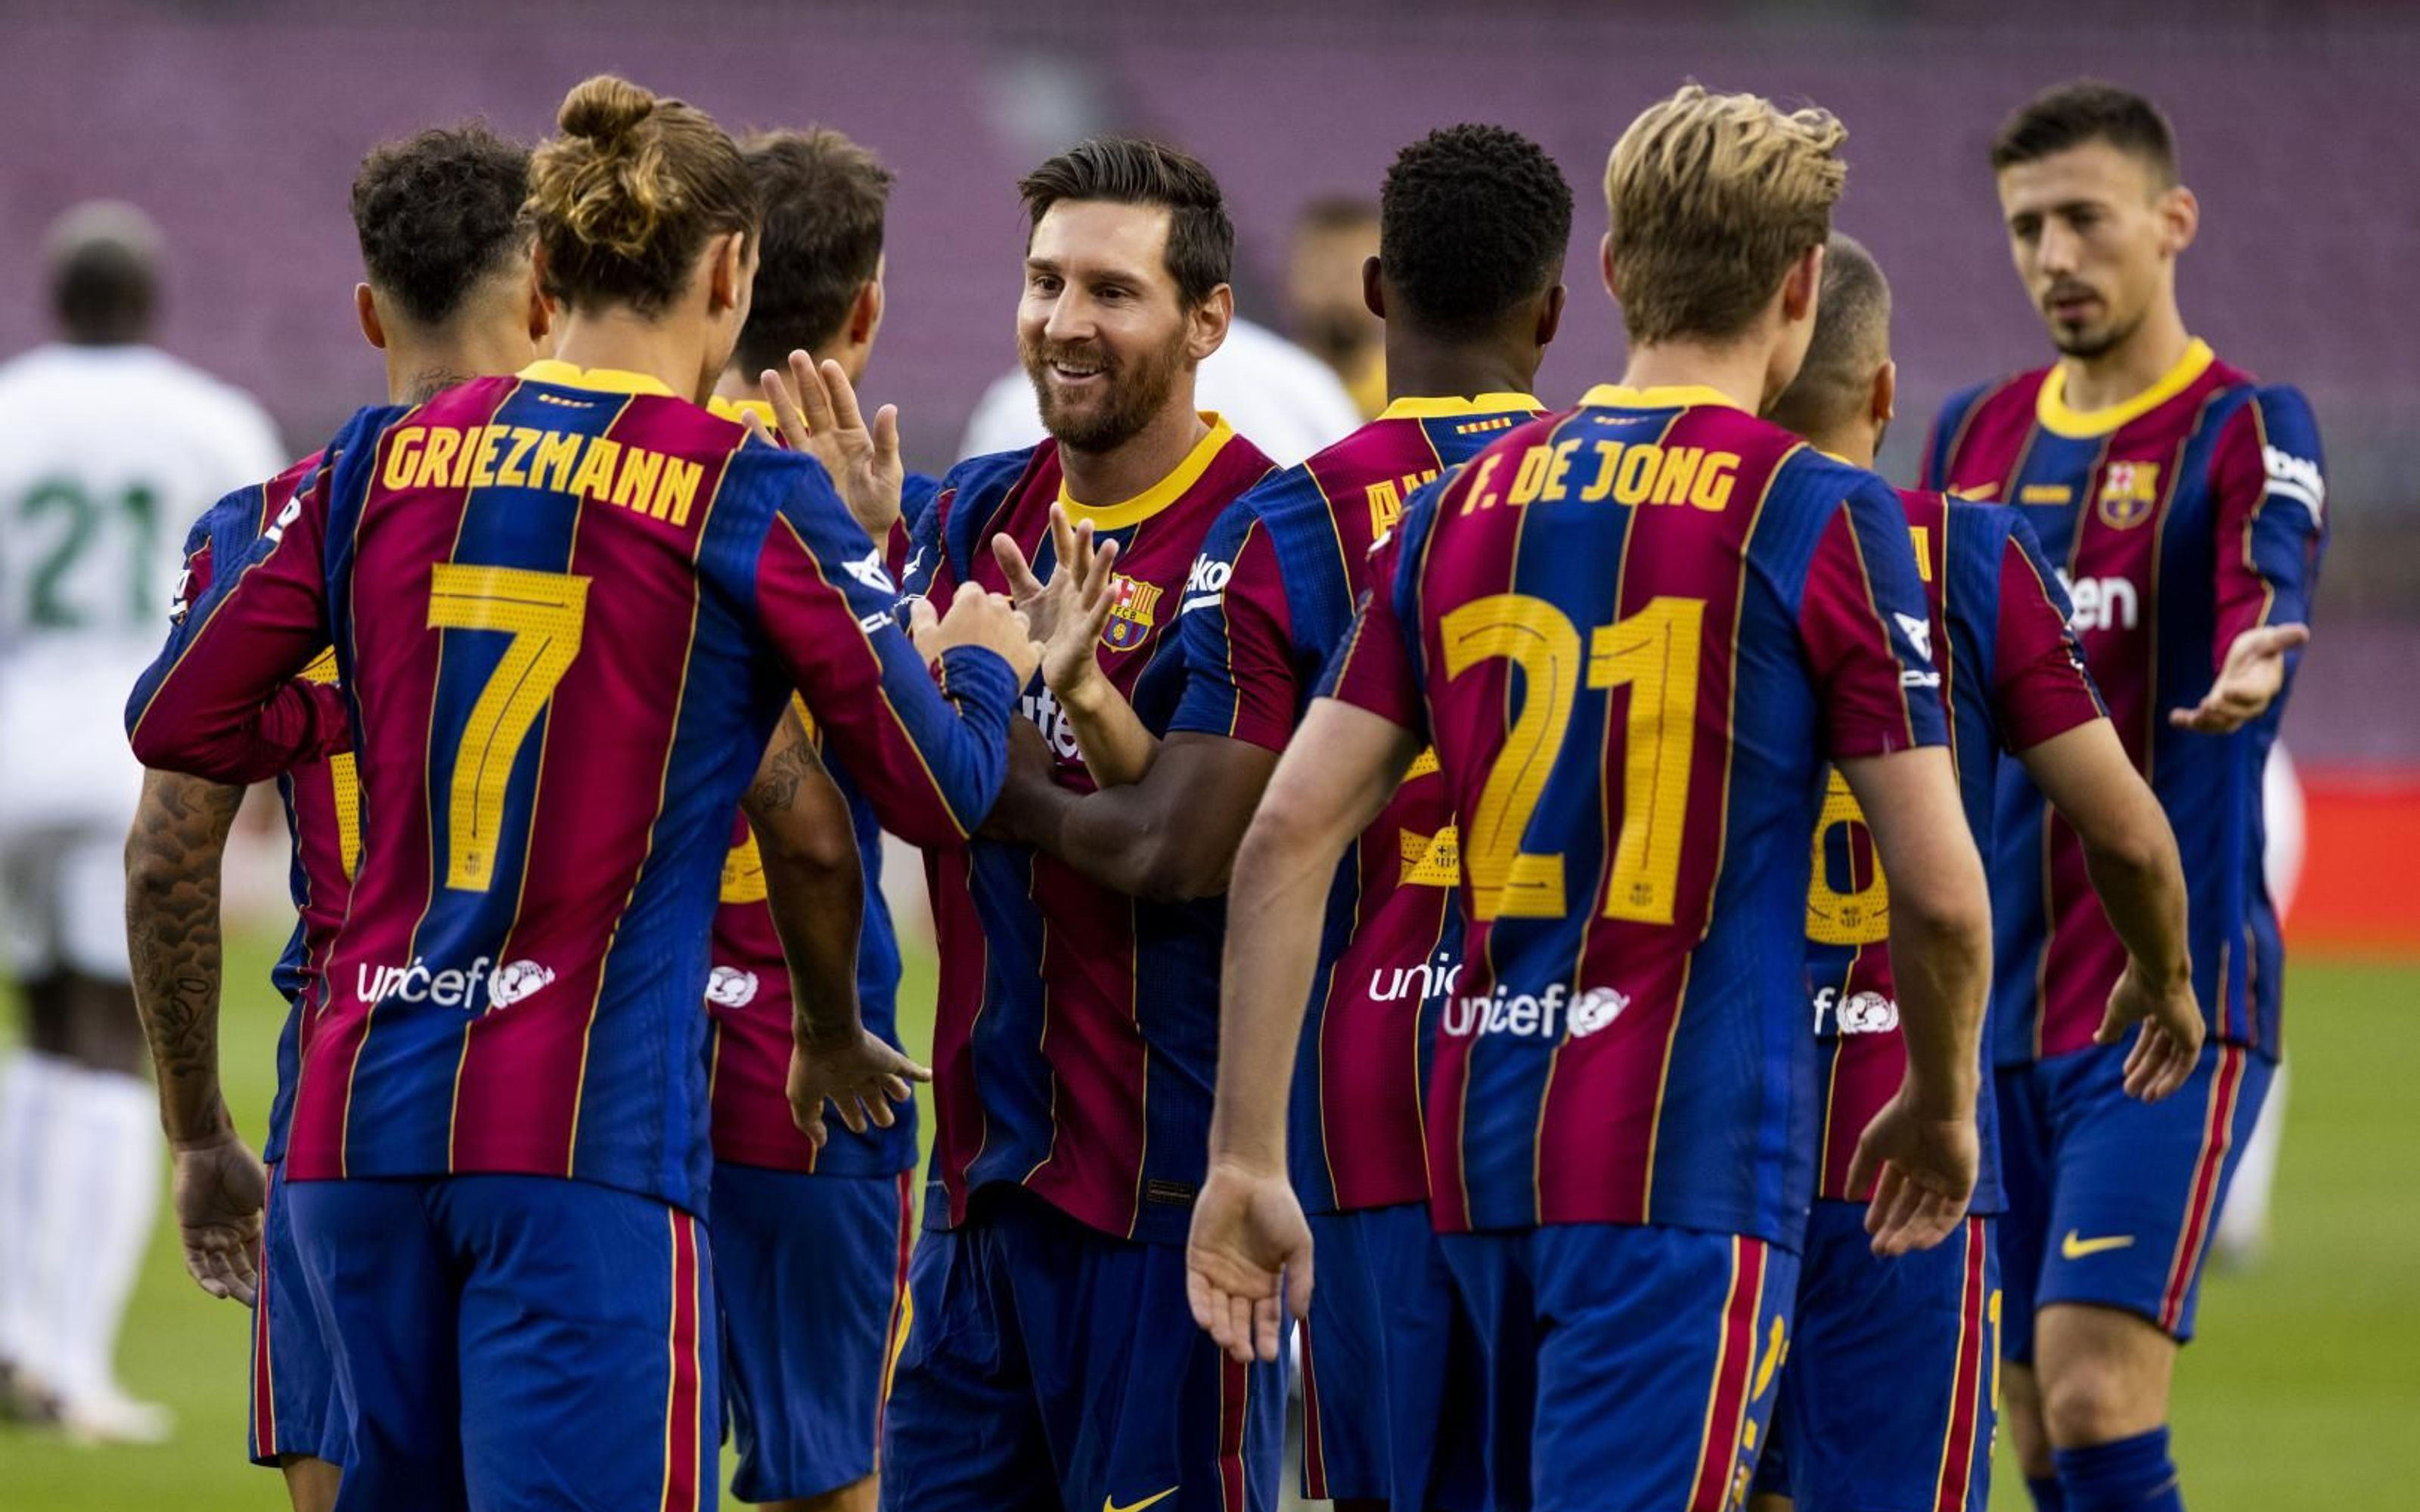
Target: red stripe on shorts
1734,1374
1955,1481
2218,1135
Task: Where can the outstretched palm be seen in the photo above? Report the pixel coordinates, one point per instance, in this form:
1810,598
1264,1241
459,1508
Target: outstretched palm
818,413
1248,1235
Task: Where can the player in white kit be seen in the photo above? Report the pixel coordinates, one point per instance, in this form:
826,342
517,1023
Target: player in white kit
109,449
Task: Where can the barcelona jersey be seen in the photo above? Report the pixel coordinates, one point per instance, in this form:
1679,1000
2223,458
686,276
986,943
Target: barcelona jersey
1267,610
321,795
2180,520
1076,1033
2012,677
1634,634
566,609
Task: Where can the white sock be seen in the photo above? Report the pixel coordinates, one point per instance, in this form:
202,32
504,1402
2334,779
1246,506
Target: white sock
28,1124
104,1224
2243,1220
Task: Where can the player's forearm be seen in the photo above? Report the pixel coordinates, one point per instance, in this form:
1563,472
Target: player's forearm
1941,959
2130,852
814,883
1133,840
1116,746
172,942
1274,911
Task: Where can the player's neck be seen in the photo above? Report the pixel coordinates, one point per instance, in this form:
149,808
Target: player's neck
2148,354
671,352
1130,468
1735,370
417,369
1854,447
1420,368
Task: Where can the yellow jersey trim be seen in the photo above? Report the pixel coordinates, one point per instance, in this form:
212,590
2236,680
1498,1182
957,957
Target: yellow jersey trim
2052,411
1421,406
1166,491
740,409
1663,396
610,379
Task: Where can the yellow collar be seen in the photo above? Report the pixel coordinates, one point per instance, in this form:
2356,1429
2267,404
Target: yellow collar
610,380
1663,396
740,409
2051,408
1426,408
1166,491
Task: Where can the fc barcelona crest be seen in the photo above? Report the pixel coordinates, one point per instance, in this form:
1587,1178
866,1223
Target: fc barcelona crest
2129,492
1130,613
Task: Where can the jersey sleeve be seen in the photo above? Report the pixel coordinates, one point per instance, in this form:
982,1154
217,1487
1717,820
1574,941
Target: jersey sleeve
1240,676
1378,669
223,534
1868,633
926,571
2270,485
2039,685
222,701
930,758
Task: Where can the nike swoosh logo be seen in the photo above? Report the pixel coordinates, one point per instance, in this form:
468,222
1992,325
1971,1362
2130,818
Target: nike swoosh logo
1110,1504
2072,1248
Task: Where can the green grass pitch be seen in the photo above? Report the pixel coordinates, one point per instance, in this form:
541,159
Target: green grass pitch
2302,1392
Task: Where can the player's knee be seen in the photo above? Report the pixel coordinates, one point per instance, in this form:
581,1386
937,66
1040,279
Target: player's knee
2095,1400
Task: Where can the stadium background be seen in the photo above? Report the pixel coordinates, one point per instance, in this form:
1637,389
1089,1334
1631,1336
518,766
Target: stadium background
238,126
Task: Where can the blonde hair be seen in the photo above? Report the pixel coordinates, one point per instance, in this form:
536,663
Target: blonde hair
623,199
1711,197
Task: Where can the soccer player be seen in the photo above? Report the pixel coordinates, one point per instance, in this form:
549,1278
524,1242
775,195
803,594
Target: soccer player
449,294
108,446
1632,634
1468,281
1048,1360
1333,237
1886,1399
806,1364
2185,503
498,1148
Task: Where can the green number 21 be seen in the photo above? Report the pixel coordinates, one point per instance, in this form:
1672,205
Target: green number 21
84,522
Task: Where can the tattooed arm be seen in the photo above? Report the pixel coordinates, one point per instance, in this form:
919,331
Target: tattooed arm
815,884
172,943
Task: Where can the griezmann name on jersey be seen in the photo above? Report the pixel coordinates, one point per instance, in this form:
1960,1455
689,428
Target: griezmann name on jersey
2178,519
1634,634
1267,610
566,609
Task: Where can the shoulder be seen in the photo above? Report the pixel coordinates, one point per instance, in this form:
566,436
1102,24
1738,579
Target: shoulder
991,477
1993,394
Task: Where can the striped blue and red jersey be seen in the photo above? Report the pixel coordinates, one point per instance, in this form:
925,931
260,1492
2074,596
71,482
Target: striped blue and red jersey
1077,1032
2012,677
2178,519
566,609
1634,634
1267,610
321,797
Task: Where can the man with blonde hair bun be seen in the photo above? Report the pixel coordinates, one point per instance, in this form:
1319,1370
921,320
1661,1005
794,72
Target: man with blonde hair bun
1632,634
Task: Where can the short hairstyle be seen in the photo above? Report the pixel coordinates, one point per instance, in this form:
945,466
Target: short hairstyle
1711,197
1851,340
439,212
105,273
1473,220
824,199
1127,170
2087,110
624,200
1335,212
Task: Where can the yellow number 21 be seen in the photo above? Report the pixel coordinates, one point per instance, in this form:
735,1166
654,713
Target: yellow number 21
1655,653
543,613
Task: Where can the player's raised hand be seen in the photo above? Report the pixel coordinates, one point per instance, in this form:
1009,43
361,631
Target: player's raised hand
1923,1169
977,618
816,410
1249,1239
2248,681
2169,1045
220,1189
857,1074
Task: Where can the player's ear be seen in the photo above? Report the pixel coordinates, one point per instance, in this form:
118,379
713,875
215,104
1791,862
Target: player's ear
1886,395
366,310
1374,288
2179,215
1550,313
1604,265
865,311
727,271
1209,321
1801,284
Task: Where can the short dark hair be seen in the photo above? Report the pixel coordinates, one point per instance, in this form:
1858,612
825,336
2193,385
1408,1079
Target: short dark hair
1335,212
1126,170
1473,221
437,211
105,273
824,197
2087,110
1851,339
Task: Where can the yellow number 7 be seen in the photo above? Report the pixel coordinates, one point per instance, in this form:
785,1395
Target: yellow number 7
1654,652
543,613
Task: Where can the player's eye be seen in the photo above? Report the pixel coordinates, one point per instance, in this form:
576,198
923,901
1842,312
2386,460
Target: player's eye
2025,228
1043,283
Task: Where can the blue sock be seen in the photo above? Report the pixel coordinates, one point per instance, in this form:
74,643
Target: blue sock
2047,1496
2130,1475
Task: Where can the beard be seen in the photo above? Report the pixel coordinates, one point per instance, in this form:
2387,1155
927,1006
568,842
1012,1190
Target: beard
2090,341
1131,393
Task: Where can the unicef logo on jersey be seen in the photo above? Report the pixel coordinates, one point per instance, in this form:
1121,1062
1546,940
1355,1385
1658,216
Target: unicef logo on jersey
1549,1016
730,987
507,984
1853,1013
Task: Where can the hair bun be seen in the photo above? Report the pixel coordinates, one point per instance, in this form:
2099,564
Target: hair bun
603,108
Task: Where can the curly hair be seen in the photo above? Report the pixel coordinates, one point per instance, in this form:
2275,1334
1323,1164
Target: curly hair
1472,220
437,211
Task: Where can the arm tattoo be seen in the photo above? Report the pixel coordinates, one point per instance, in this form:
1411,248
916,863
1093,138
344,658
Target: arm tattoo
172,936
789,763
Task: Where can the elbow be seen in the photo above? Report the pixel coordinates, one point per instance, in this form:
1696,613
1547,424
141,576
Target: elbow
1954,917
2137,852
1170,867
